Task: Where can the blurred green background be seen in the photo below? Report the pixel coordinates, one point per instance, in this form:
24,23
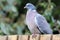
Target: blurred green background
12,15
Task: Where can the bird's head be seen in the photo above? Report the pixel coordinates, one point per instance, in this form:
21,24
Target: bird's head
30,6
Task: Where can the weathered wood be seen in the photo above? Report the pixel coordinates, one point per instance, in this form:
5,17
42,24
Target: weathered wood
23,37
45,37
31,37
56,37
12,37
34,38
3,37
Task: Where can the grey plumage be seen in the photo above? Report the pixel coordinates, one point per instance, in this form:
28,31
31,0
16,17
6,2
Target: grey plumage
42,24
36,22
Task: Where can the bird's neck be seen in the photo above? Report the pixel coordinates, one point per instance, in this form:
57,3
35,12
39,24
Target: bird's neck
31,12
31,9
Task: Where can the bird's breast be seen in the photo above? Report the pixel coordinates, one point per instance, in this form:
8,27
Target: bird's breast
30,20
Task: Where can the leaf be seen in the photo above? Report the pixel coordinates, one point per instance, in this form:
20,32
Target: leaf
13,8
10,8
43,4
19,30
9,27
4,29
2,0
48,12
2,14
53,20
10,2
58,22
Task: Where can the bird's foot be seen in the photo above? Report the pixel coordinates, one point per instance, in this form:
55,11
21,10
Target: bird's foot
34,35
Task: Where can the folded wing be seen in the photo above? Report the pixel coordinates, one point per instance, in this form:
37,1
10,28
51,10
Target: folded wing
42,24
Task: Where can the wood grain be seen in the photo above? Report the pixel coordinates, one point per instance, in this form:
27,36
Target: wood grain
56,37
45,37
12,37
30,37
3,37
23,37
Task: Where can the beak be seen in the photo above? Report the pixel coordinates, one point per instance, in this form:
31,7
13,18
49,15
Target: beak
25,7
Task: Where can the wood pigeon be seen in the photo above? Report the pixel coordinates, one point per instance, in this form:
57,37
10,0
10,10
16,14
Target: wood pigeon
36,23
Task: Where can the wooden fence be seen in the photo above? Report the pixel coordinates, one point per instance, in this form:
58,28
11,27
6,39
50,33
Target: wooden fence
29,37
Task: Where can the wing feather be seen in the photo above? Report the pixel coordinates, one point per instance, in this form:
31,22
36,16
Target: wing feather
42,24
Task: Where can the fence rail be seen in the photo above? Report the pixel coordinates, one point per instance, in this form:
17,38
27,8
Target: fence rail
29,37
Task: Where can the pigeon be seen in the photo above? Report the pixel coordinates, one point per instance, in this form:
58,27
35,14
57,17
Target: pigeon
36,22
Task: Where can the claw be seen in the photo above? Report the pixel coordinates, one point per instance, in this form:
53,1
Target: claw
34,35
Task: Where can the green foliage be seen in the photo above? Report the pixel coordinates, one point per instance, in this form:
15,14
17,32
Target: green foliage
12,15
